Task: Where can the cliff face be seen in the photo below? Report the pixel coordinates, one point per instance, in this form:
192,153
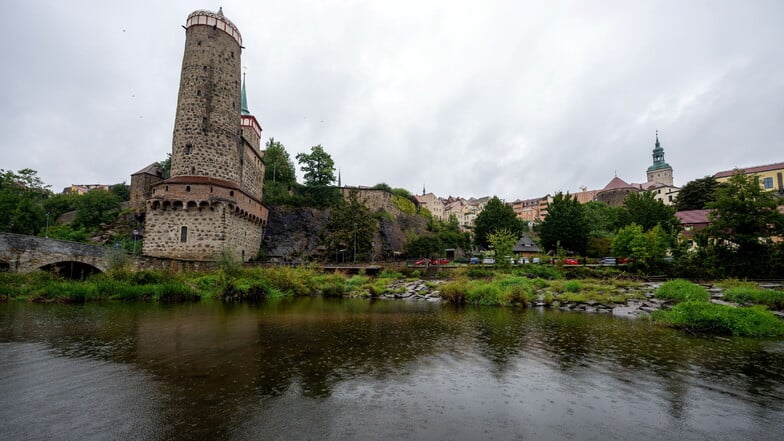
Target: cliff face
298,233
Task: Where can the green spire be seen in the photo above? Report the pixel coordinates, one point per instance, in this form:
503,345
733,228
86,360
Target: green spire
658,156
244,101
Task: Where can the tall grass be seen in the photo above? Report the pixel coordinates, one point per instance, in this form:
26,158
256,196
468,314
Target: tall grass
505,291
682,291
761,296
722,319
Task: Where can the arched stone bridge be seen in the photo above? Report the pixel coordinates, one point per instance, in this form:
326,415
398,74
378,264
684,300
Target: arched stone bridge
22,254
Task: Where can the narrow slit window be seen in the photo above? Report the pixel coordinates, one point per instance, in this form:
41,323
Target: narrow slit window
184,234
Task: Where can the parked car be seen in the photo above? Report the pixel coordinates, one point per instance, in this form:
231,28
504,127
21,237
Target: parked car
421,262
622,260
571,261
438,261
536,260
607,261
523,260
488,261
473,261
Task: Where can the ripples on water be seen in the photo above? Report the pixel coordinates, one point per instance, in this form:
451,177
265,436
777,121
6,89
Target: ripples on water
352,369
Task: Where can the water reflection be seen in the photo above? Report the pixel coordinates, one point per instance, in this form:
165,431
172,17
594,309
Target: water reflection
348,369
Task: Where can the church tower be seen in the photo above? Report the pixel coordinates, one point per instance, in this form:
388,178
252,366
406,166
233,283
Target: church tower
212,201
659,171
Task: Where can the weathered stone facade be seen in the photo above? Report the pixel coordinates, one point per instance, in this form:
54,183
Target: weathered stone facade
212,202
141,185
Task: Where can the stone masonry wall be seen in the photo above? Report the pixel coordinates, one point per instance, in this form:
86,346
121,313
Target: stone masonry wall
141,189
253,171
206,139
209,231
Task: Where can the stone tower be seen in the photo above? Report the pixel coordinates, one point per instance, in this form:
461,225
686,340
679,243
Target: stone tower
659,171
212,202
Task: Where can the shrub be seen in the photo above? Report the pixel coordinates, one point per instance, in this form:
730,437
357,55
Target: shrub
744,294
722,319
572,286
480,293
478,272
681,290
455,292
543,271
516,295
239,292
332,285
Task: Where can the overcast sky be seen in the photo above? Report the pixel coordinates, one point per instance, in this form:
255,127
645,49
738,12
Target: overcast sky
510,98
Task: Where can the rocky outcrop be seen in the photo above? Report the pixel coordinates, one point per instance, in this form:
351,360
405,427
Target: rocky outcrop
298,233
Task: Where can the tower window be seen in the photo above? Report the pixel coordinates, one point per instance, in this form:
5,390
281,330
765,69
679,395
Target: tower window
183,234
187,188
198,93
198,43
231,193
193,170
232,54
188,149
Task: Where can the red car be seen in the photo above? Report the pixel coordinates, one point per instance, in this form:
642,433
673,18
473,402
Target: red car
421,262
438,261
571,261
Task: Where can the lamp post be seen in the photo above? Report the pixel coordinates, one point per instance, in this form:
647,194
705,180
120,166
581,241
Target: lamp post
355,243
135,235
47,225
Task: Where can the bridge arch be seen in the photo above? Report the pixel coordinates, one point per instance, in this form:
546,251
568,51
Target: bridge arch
71,269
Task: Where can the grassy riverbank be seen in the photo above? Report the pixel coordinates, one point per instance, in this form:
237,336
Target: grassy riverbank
685,305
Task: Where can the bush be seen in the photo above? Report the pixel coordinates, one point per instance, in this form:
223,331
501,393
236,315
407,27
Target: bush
572,286
681,290
455,292
333,285
721,319
478,272
744,294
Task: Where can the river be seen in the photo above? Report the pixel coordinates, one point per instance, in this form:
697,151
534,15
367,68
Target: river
349,369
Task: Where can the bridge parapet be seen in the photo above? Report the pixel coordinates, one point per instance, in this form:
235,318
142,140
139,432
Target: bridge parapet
24,253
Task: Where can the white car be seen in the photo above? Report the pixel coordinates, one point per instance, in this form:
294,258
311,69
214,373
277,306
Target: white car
488,261
523,261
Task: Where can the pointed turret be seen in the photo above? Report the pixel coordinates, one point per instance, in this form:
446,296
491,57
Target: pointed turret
659,171
244,99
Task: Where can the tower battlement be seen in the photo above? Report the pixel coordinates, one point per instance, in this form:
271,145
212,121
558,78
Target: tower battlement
203,17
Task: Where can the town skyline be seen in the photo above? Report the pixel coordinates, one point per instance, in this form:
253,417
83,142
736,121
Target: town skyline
465,99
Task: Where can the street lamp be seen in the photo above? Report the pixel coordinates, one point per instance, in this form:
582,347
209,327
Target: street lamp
47,225
135,235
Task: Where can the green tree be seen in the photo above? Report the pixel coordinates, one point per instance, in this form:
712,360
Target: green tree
697,194
165,166
425,245
278,166
503,241
743,222
382,186
602,219
644,210
123,191
21,201
565,224
95,208
351,227
645,248
496,216
318,166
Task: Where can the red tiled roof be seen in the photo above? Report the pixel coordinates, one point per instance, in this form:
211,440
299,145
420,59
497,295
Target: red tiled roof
693,216
747,170
616,183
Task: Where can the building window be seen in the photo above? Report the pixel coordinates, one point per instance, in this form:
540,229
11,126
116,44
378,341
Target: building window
767,183
188,149
187,188
183,234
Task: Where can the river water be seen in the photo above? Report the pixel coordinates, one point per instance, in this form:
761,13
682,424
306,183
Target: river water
324,369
